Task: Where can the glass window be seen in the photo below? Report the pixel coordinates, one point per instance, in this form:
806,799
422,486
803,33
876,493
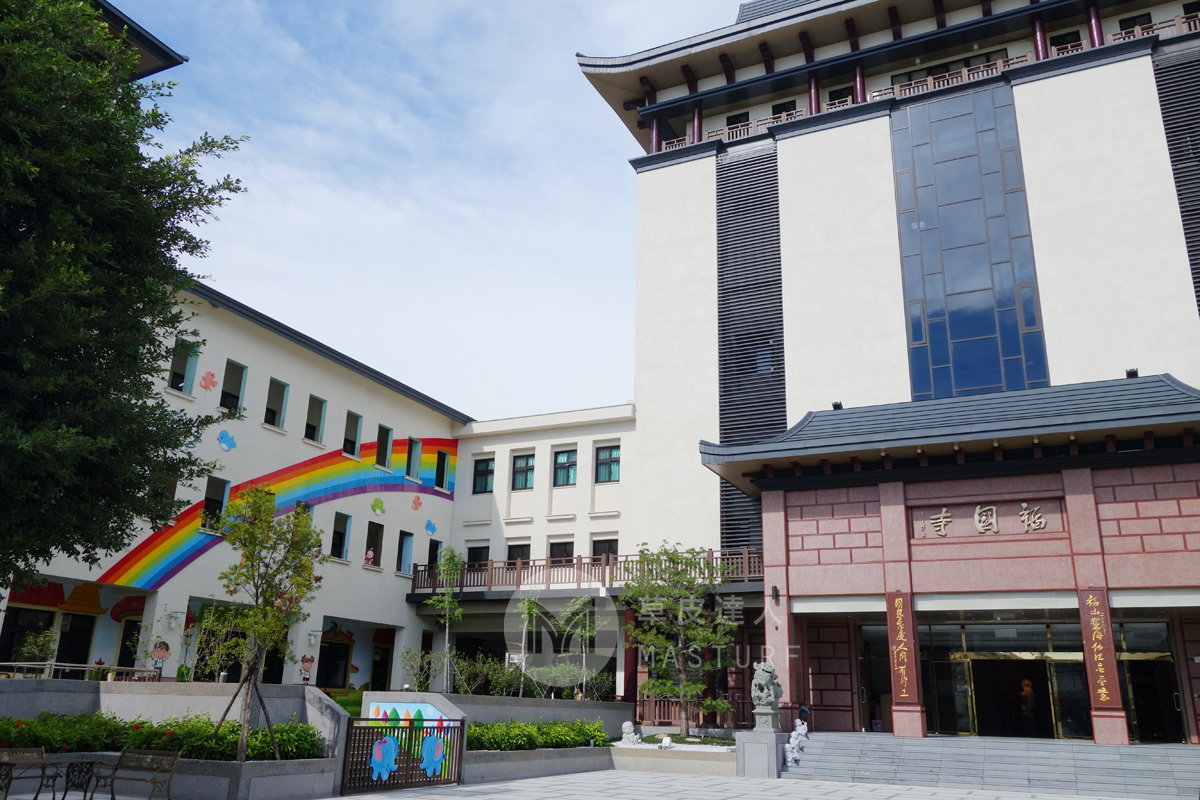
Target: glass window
235,382
564,467
561,552
958,180
277,392
919,124
478,555
993,194
935,297
953,138
374,551
939,343
1012,172
904,190
1035,356
183,366
1146,637
412,465
971,315
738,119
912,277
984,118
608,464
602,548
516,551
1010,333
916,323
522,472
1014,375
485,472
909,240
923,165
1028,309
314,422
976,364
989,161
216,491
383,447
1002,638
404,554
927,217
1022,253
441,478
783,108
962,224
350,437
966,269
1129,23
943,383
902,149
998,239
341,535
921,382
1066,638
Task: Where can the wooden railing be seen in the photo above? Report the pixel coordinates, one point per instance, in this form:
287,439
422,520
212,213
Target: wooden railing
738,566
833,105
661,711
964,75
675,144
77,672
1066,49
1188,23
731,133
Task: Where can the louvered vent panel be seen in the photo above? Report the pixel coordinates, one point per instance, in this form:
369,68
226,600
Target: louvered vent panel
1178,78
749,321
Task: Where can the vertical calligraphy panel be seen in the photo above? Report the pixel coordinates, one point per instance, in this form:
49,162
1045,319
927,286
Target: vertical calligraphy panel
908,716
1098,652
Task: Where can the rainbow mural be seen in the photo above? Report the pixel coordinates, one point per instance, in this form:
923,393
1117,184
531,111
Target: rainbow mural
329,476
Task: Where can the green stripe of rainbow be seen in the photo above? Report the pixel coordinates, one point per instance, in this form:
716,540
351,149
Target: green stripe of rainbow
330,476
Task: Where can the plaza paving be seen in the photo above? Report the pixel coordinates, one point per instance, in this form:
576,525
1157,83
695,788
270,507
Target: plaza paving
623,785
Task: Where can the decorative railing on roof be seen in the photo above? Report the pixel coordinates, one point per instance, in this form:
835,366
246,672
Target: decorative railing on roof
1188,23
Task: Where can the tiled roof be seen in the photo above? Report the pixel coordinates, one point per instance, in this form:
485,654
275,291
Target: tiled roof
765,8
1133,402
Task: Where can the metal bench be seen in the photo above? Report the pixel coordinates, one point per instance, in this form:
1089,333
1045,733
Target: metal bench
25,759
155,767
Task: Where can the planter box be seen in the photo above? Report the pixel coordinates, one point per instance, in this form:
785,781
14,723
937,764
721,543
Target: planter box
485,766
683,761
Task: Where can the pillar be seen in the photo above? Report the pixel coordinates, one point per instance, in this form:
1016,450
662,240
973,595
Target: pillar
655,135
156,627
860,84
1095,32
1041,51
1091,584
783,646
908,712
629,692
697,123
814,94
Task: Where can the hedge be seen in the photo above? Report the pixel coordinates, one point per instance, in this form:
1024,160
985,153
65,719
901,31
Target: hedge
514,735
97,733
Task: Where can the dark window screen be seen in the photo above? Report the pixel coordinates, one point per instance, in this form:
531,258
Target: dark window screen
971,304
17,623
332,665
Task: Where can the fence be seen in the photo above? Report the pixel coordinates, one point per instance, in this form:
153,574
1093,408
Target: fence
663,711
77,672
389,755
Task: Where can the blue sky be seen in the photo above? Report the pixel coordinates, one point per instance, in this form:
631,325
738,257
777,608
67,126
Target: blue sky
433,187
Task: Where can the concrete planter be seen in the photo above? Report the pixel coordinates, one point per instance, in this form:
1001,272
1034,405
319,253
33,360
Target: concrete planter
692,762
484,766
485,708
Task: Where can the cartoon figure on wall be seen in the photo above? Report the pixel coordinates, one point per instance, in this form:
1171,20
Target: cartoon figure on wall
429,526
225,440
160,653
377,507
208,382
383,758
416,506
369,559
306,665
433,754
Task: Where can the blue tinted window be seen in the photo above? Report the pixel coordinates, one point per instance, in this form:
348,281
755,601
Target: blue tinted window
1035,356
976,364
958,180
919,123
901,149
916,323
1022,253
1010,333
953,138
939,343
909,243
912,278
919,361
988,159
993,194
1028,312
900,119
984,118
967,268
1003,281
935,297
962,223
923,165
943,384
927,207
1006,127
998,239
1018,217
971,315
950,107
1014,375
904,189
1002,95
1012,174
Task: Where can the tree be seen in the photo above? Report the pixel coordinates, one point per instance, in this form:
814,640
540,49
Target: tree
678,625
527,607
274,579
450,567
579,620
92,223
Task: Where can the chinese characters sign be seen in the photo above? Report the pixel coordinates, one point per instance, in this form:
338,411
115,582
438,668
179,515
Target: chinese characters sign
1099,654
903,649
1029,516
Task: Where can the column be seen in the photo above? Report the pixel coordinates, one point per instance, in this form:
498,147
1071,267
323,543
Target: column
908,713
630,663
161,611
1091,584
814,94
860,84
783,646
697,123
655,135
1041,50
1095,31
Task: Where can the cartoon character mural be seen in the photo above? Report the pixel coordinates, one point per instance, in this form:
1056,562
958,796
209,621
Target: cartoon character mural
429,526
306,665
160,653
433,754
226,441
416,504
383,758
377,507
208,382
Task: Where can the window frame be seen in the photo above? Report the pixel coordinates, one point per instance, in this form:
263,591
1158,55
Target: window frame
441,475
320,426
281,414
489,474
511,561
241,395
374,528
404,553
571,467
345,534
357,436
525,470
412,462
598,558
206,515
562,559
486,548
386,450
608,461
188,377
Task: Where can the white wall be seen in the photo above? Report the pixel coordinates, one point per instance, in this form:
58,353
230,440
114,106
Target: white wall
1113,273
843,304
670,495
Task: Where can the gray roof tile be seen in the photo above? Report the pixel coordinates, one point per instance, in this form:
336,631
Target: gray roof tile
765,8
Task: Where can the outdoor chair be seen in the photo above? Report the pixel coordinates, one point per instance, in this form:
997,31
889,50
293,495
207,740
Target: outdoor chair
26,759
155,767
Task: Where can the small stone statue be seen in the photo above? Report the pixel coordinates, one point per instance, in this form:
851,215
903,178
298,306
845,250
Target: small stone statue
666,743
627,734
793,748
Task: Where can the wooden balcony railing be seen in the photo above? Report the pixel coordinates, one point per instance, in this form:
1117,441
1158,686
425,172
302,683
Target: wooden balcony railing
675,144
732,133
1066,49
740,566
833,105
660,711
1187,23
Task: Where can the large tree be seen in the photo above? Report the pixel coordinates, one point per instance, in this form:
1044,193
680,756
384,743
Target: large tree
93,221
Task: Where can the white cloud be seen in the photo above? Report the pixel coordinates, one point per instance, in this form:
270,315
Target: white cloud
445,156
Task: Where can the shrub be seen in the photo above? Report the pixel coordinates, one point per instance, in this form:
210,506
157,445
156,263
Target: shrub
92,733
514,735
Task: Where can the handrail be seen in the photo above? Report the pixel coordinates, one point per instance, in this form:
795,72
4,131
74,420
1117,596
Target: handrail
739,566
55,669
1187,23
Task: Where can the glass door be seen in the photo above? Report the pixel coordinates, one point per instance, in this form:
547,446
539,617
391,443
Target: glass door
949,699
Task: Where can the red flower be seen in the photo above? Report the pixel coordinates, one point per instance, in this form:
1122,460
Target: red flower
19,723
170,733
3,744
116,741
64,748
137,727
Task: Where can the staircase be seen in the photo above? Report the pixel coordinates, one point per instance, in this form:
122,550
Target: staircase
1052,766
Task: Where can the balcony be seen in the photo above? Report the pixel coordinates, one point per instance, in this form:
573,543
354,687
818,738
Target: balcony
1188,23
741,566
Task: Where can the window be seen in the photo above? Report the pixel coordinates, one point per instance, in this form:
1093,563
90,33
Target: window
970,287
350,439
1072,37
522,472
564,468
183,366
383,447
341,535
950,66
231,389
215,492
404,554
314,423
478,555
1129,23
485,471
412,467
602,548
841,94
435,550
783,108
277,392
333,665
517,551
303,508
1191,8
20,622
608,464
738,119
442,477
561,552
374,551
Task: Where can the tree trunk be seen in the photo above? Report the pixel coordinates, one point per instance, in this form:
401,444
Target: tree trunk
267,717
221,721
524,635
447,684
243,740
681,666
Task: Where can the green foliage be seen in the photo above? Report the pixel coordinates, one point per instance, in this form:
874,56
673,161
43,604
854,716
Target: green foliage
92,224
191,736
479,673
677,623
450,567
420,667
513,735
37,646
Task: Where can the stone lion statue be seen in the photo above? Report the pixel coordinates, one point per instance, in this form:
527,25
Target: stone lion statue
765,690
